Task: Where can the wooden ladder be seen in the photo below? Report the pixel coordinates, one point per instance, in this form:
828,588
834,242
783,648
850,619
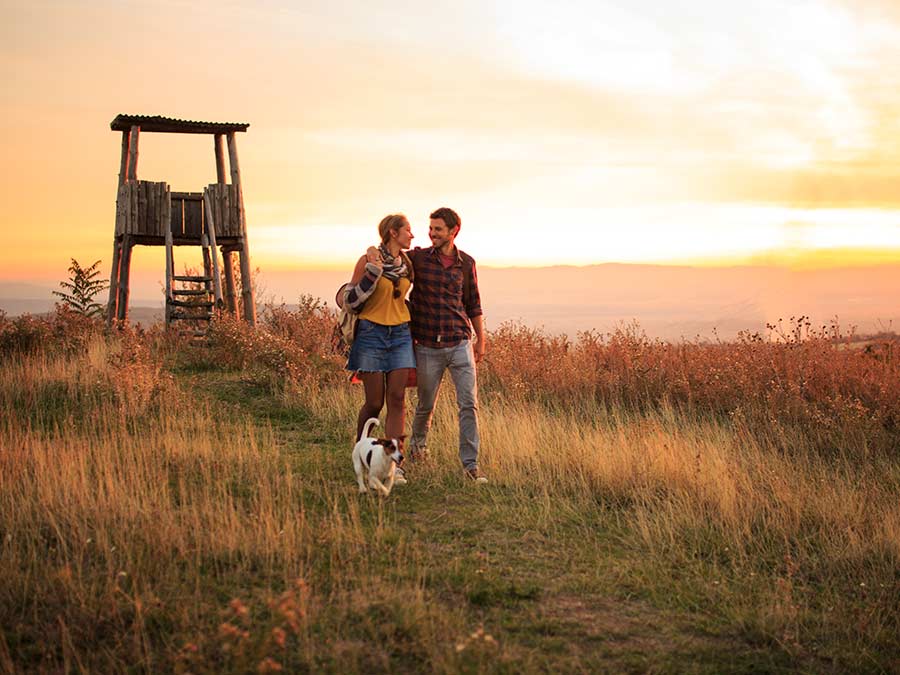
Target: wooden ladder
195,303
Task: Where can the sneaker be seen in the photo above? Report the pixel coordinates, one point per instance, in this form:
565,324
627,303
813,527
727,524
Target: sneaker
399,476
475,474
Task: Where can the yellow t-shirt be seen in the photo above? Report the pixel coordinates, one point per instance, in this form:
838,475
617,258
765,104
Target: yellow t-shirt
383,308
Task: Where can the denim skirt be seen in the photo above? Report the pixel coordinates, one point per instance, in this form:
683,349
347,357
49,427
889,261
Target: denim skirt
381,349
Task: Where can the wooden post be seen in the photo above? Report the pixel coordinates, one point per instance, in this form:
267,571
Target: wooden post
114,273
113,283
170,271
230,296
124,278
133,153
220,159
211,228
246,281
123,164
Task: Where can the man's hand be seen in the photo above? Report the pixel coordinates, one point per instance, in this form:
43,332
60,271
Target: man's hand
478,348
373,256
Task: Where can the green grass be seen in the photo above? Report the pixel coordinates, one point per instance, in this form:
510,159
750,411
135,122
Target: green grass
215,527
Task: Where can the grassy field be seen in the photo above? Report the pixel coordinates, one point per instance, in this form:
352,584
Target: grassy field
652,508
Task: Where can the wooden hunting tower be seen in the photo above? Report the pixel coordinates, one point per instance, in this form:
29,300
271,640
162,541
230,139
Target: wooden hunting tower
149,214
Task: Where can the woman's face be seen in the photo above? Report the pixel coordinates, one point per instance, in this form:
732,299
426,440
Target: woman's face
404,236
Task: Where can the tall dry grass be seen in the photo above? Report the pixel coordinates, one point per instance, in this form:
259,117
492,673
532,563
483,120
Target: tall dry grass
793,549
145,527
797,381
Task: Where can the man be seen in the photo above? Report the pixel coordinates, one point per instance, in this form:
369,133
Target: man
445,307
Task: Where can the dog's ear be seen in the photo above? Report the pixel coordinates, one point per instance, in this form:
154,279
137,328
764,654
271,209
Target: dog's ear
386,442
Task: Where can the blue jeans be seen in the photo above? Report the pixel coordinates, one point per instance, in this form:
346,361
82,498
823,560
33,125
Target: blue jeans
431,362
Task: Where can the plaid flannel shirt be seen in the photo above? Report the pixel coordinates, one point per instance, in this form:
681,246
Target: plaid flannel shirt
443,299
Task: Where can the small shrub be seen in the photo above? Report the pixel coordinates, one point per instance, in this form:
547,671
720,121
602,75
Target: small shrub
63,330
80,289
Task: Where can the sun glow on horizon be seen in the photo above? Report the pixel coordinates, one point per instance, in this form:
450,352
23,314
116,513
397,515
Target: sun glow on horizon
576,134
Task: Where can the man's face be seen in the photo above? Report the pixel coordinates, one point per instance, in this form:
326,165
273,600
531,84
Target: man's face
439,234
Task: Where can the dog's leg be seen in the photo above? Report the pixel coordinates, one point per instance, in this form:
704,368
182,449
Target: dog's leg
378,485
358,467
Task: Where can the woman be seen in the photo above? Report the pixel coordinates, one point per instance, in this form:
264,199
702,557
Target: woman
382,352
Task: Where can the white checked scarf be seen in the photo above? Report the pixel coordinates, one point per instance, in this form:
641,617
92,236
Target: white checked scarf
393,267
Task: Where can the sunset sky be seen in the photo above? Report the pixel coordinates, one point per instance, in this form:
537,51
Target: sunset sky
583,132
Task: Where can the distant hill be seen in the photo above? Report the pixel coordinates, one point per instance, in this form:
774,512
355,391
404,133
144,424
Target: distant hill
669,302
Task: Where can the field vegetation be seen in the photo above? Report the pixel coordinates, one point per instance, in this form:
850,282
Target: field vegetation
691,507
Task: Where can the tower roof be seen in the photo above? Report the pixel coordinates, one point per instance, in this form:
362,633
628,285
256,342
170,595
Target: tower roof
174,126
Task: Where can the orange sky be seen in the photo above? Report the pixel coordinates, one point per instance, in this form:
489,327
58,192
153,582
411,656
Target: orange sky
580,132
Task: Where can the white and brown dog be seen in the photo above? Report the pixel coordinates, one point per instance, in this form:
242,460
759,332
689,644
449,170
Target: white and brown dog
380,457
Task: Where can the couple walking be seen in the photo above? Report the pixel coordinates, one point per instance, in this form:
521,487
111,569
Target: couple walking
432,333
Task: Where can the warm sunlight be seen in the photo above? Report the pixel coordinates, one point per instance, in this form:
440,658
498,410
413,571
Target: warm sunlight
588,133
668,437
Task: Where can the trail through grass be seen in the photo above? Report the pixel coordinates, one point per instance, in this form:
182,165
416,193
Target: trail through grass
157,516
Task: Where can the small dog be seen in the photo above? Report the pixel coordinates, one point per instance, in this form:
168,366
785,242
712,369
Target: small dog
379,456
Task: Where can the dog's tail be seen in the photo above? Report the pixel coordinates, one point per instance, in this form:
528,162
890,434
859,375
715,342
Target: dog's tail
371,422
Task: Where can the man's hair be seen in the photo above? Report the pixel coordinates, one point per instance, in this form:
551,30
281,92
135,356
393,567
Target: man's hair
396,221
449,216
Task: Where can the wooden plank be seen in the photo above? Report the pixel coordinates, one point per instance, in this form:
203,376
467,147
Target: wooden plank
229,201
162,222
192,278
160,209
193,219
230,214
180,220
164,209
211,229
193,303
124,208
141,223
133,211
159,191
134,137
222,208
166,218
152,210
143,208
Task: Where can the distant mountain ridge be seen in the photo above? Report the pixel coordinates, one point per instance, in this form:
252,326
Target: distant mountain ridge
668,301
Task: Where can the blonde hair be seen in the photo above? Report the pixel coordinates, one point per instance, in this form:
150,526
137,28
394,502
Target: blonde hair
393,222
